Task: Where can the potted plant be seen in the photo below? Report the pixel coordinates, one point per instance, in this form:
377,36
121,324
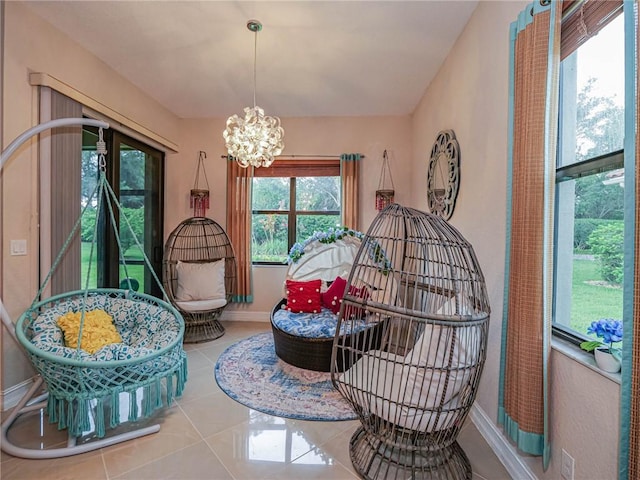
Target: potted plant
607,357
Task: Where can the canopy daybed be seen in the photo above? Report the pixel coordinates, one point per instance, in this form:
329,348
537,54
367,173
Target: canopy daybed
304,322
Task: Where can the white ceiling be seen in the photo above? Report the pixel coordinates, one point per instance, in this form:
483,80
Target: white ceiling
315,58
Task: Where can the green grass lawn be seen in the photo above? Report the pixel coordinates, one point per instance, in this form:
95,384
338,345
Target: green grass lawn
134,271
592,301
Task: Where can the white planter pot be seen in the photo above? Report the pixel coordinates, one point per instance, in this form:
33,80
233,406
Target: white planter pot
606,361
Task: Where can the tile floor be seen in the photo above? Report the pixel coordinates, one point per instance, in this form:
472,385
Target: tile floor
206,435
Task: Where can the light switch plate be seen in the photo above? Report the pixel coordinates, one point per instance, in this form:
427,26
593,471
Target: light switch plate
568,465
18,247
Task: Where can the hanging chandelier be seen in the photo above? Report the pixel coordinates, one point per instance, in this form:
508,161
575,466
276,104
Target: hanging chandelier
258,138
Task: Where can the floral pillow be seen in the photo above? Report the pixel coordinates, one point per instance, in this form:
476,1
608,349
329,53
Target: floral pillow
332,298
303,297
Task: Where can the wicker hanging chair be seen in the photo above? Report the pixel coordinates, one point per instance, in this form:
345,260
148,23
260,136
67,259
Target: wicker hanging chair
413,393
84,389
199,275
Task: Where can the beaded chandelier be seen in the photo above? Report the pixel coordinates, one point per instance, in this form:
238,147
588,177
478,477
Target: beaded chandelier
258,138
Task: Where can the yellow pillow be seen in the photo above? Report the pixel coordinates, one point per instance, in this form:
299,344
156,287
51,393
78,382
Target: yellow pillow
98,330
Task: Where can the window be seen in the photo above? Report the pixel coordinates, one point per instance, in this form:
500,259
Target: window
590,174
135,172
290,201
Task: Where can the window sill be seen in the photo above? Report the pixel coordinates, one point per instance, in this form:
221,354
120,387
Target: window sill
585,358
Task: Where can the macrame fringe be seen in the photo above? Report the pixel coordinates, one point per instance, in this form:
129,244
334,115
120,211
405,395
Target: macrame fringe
133,406
82,422
169,380
100,427
114,419
75,414
182,377
147,405
158,403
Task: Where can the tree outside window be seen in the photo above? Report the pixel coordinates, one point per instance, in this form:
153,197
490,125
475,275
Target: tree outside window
590,184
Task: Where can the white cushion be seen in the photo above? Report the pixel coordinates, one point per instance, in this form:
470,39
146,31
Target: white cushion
391,389
407,390
201,305
325,261
200,281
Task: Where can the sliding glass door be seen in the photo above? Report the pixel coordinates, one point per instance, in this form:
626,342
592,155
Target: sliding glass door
135,171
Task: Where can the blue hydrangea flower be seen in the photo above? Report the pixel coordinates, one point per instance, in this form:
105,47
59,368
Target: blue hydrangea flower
609,329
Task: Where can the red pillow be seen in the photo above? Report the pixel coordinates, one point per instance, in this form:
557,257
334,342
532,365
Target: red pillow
356,312
303,297
332,298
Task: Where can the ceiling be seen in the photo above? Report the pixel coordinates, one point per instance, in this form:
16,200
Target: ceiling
314,58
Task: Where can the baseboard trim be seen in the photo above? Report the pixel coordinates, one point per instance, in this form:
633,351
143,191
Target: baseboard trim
241,316
500,445
12,395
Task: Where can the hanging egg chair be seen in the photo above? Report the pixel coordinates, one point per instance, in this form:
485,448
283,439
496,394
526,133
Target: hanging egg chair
96,348
199,275
413,392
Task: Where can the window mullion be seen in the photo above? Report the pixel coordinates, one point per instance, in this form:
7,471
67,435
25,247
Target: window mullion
292,213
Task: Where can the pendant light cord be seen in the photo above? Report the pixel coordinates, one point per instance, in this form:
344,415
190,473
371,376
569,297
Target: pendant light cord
255,61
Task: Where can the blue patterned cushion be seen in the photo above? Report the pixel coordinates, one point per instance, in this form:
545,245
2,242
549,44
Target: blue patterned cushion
314,325
144,328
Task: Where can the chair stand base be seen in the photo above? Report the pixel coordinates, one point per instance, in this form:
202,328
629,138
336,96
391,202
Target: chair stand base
201,330
375,459
32,401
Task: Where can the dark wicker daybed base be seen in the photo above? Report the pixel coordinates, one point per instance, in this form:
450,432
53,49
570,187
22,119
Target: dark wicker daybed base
315,353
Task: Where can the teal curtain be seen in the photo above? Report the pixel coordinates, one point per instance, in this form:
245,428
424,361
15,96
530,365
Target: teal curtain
532,135
629,453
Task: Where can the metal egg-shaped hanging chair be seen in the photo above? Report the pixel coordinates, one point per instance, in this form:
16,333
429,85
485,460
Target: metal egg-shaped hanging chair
199,276
86,373
413,392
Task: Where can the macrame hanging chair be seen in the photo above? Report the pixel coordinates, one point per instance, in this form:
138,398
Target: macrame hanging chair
147,369
413,392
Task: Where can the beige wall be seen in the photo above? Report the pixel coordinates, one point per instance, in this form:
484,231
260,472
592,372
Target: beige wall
470,96
303,136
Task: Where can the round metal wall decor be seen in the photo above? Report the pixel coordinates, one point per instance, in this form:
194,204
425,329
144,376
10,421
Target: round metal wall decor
443,175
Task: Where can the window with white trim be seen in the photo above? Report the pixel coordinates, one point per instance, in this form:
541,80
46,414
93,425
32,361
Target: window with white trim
590,175
291,200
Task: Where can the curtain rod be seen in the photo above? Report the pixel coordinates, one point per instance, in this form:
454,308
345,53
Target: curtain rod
579,4
300,156
572,9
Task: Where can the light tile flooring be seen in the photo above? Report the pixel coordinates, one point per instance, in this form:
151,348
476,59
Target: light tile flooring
206,435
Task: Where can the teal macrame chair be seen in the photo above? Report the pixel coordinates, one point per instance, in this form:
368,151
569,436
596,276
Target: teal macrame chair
83,392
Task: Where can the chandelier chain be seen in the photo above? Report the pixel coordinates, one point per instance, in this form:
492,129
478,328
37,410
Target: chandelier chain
255,62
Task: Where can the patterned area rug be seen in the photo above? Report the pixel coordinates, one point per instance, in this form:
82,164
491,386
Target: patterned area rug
250,372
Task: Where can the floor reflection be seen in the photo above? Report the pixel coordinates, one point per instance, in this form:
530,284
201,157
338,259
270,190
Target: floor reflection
276,440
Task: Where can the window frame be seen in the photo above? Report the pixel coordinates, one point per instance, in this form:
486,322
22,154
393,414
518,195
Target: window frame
294,169
598,164
596,16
